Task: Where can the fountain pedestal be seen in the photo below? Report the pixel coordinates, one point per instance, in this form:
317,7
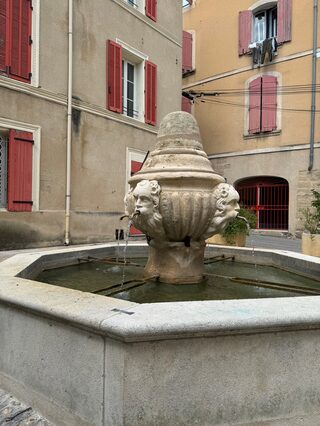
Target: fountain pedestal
178,201
174,263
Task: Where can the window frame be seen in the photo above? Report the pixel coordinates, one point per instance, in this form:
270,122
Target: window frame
138,59
5,126
268,24
278,130
34,49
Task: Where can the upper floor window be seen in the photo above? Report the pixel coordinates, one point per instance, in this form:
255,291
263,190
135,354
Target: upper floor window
149,7
186,3
187,52
272,20
265,24
263,104
16,39
131,83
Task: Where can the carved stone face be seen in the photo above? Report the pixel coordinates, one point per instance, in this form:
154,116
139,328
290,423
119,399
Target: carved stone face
227,208
146,195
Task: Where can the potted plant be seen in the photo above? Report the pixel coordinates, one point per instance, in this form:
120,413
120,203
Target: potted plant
237,230
311,235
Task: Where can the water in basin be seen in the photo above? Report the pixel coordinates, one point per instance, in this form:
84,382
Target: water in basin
224,279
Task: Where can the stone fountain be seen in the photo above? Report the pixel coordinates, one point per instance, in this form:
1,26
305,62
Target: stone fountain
178,201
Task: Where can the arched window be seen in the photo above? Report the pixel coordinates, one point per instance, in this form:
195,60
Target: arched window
268,198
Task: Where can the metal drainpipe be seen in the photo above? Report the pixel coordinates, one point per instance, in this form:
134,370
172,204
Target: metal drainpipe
69,126
314,81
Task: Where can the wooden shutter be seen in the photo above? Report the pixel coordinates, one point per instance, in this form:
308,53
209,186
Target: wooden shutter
185,104
186,51
151,9
114,76
255,106
20,40
284,20
150,93
269,103
245,31
4,9
20,171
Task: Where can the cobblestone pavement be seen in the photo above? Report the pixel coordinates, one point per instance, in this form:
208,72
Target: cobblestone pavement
254,240
16,413
273,242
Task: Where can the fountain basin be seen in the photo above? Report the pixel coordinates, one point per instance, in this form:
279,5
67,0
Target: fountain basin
83,359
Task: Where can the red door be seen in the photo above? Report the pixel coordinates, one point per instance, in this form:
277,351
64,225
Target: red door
269,198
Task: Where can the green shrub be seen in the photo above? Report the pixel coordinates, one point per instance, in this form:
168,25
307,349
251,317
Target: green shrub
245,221
311,215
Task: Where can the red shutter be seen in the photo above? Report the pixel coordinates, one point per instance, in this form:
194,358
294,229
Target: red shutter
255,105
114,78
269,103
185,104
135,167
284,20
20,40
245,31
186,51
3,34
151,9
150,93
20,171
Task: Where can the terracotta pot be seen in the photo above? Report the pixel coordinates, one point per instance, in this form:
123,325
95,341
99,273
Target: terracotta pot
239,240
310,244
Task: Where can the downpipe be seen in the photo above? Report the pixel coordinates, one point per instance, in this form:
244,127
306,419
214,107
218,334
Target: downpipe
69,126
314,82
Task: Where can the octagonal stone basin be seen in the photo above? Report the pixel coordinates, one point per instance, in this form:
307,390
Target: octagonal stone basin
84,359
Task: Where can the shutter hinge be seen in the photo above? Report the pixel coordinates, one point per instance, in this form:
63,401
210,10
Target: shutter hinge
30,75
22,202
24,140
30,40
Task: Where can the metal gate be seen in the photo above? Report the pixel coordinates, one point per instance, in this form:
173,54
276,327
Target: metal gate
268,201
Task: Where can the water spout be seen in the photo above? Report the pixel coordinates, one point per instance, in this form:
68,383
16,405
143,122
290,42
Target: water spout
130,217
125,215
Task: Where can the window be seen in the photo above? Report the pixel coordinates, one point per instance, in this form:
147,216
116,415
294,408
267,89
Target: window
273,19
131,82
148,7
16,39
187,52
263,104
186,104
16,169
128,81
135,160
186,3
265,24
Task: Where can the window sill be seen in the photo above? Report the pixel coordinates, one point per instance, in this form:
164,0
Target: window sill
187,73
262,135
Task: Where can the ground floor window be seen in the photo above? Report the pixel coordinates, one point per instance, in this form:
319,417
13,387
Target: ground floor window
136,160
268,197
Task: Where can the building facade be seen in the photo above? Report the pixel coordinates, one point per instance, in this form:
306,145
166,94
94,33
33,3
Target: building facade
83,87
250,79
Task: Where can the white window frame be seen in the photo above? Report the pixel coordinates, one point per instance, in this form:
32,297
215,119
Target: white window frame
133,155
6,125
259,7
247,103
137,58
139,5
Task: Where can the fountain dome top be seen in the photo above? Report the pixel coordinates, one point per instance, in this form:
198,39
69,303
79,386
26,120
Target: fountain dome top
179,129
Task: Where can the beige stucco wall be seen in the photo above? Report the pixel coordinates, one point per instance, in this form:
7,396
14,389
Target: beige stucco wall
100,138
223,119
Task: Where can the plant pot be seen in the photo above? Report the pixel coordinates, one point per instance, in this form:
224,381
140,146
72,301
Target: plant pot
239,240
310,244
